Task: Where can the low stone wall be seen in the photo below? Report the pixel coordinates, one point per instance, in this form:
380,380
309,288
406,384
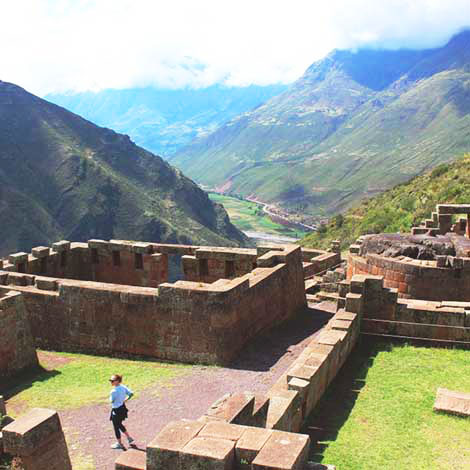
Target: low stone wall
184,321
116,261
318,261
446,322
17,349
416,278
247,431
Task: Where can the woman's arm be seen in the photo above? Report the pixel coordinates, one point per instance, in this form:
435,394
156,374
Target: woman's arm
129,393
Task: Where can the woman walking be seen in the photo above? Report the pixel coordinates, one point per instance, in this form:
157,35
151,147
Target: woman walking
119,395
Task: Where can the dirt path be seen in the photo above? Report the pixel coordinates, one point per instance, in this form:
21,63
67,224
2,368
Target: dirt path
256,370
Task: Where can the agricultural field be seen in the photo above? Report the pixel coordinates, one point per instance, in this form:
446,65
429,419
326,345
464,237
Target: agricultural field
378,413
249,217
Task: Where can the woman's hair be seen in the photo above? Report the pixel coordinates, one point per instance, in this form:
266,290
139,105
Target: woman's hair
116,377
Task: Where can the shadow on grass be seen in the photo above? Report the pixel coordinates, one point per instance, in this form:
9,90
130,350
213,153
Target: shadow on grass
25,380
334,408
261,353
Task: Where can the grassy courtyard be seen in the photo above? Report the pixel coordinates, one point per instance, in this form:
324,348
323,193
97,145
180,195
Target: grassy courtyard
378,413
69,380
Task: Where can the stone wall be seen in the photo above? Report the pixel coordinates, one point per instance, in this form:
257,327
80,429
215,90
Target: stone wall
17,349
116,261
185,321
384,314
418,279
245,431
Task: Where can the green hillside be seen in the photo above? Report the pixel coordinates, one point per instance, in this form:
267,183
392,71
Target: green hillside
356,123
63,177
164,120
399,208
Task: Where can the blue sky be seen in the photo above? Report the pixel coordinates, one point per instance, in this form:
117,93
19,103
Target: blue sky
54,46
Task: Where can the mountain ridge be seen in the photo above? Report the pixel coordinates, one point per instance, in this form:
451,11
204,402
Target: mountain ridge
64,177
353,125
162,120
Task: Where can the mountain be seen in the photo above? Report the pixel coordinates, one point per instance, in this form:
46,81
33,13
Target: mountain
163,120
355,124
64,177
400,208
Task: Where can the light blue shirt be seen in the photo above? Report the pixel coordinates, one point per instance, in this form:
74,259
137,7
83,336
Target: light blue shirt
118,395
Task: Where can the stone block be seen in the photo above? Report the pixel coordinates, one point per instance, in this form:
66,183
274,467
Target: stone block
40,251
260,411
45,283
283,451
17,279
96,243
343,325
354,249
17,258
132,459
283,405
234,408
451,402
63,245
142,248
222,430
29,431
354,303
299,385
205,453
164,450
250,444
441,261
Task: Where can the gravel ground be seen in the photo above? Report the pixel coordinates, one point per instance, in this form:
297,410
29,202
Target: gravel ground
256,370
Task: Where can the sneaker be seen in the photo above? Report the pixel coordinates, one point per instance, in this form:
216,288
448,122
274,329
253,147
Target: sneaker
130,440
116,445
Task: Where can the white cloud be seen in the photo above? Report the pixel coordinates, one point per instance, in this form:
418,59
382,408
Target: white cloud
57,45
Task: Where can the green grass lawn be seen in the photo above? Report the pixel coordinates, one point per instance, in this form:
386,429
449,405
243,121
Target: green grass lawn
378,414
69,380
248,216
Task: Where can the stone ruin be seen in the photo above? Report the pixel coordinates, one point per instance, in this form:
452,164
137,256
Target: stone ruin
409,287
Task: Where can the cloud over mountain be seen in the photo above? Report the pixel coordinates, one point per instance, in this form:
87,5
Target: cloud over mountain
52,45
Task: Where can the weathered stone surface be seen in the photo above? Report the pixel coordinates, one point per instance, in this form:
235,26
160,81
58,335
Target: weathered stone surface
283,451
250,444
16,258
448,401
37,438
164,451
63,245
222,430
234,408
40,251
17,346
132,459
204,453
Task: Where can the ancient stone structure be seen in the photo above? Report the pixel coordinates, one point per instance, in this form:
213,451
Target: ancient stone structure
37,440
430,264
112,297
17,347
248,431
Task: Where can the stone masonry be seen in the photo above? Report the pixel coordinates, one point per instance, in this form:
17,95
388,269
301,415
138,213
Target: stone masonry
17,347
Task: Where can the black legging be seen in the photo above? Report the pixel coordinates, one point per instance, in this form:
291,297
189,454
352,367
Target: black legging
118,426
118,415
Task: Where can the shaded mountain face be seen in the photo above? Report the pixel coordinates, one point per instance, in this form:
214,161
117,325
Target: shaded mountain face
163,120
63,177
355,124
